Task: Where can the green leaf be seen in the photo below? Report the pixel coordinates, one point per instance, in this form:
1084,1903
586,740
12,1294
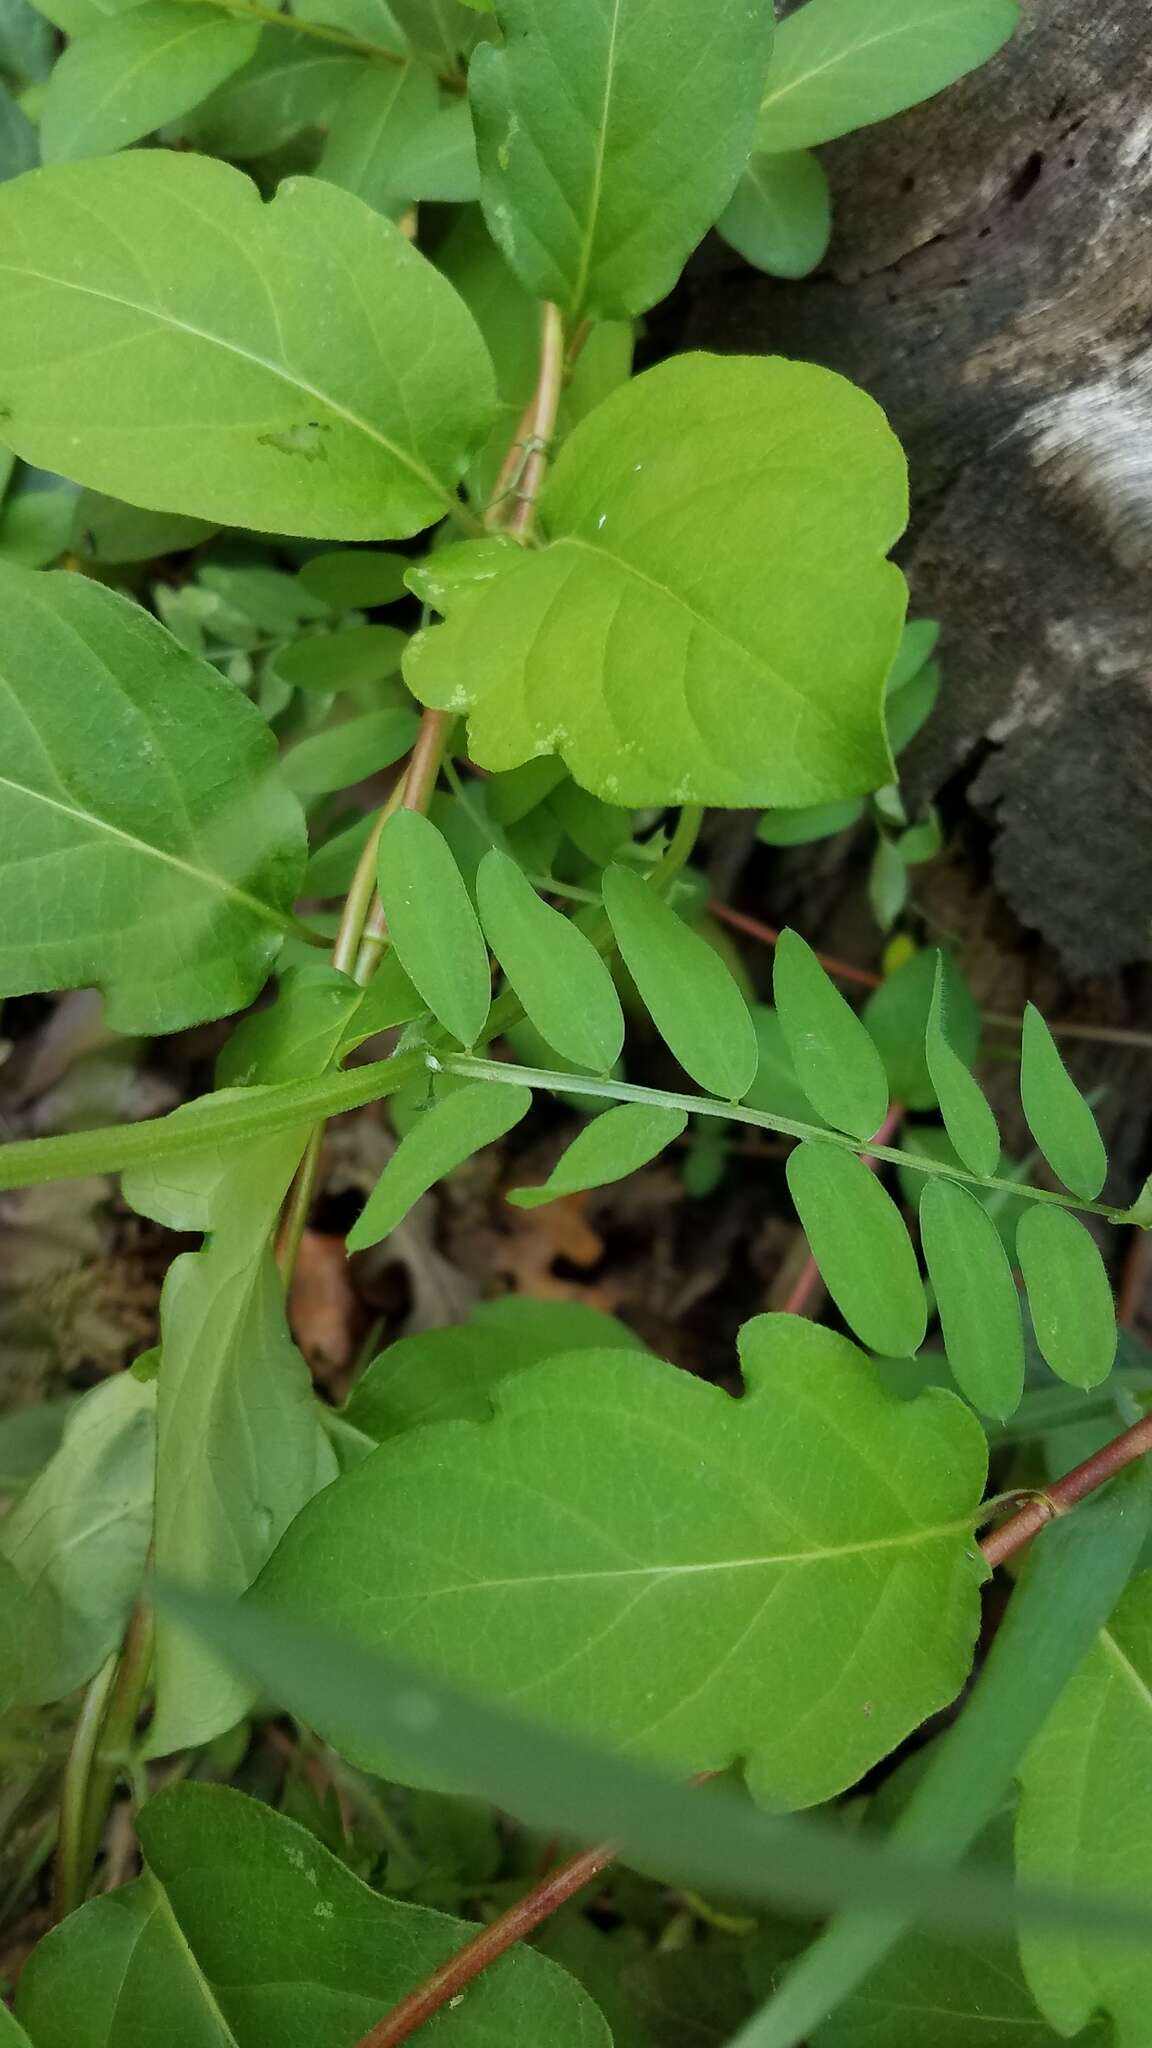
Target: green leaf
615,1145
443,30
1058,1116
27,45
628,1551
1086,1818
36,523
433,925
975,1297
244,1927
780,215
77,1539
896,1018
451,1375
693,1001
125,366
842,64
271,600
298,1035
152,850
444,1137
733,655
1069,1294
353,579
887,884
241,1446
136,72
968,1120
28,1438
599,170
776,1088
1075,1574
836,1063
391,142
916,647
555,970
354,658
291,83
785,827
906,710
861,1246
106,530
348,752
18,143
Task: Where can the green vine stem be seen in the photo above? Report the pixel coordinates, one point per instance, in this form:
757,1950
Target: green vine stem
490,1943
738,1112
101,1749
71,1871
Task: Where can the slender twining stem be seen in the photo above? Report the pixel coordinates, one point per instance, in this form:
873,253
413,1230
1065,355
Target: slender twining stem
486,1947
680,848
491,1942
526,463
739,1112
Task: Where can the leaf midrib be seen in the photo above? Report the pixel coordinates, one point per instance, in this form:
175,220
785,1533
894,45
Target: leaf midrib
280,370
594,198
164,1905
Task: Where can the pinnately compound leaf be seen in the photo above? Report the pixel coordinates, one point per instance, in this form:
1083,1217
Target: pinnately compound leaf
694,1002
975,1296
125,366
136,71
443,1138
565,988
967,1118
1069,1294
433,924
610,1148
861,1246
734,654
842,64
242,1917
786,1579
836,1063
149,845
610,135
1058,1116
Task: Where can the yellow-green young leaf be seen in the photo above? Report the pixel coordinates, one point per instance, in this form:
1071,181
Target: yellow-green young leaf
124,366
346,753
148,844
445,1375
137,71
443,1138
1086,1821
861,1246
355,579
686,988
555,970
1069,1294
1058,1116
610,137
611,1148
243,1925
433,925
836,1063
780,215
732,654
842,64
967,1118
976,1298
786,1579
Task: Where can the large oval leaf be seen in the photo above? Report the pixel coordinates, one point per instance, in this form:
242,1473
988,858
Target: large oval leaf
694,1002
610,138
136,71
244,1929
1069,1294
555,970
836,1062
976,1297
714,618
336,388
633,1554
860,1244
148,845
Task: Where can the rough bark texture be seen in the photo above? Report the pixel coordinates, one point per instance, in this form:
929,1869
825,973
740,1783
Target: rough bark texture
990,282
